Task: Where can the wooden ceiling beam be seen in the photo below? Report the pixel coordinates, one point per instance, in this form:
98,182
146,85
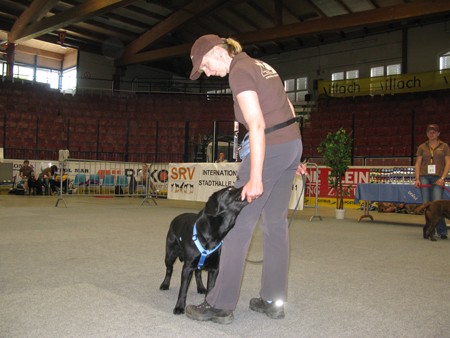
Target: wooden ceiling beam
39,52
37,9
175,20
337,23
257,7
317,9
76,14
358,19
344,5
375,5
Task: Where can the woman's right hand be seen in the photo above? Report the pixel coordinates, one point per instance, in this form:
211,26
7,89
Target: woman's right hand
252,190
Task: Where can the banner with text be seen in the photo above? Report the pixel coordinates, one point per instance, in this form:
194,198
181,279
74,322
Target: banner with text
381,85
197,181
318,179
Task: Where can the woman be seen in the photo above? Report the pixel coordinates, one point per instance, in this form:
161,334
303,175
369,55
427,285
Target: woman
266,175
432,166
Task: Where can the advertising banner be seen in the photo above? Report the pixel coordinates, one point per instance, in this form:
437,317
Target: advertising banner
381,85
318,179
197,181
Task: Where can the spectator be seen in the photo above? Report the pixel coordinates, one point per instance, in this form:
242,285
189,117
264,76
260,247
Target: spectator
47,179
221,158
57,181
143,179
34,185
25,173
432,166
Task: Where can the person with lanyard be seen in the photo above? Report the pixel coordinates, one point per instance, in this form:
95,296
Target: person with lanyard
431,169
266,175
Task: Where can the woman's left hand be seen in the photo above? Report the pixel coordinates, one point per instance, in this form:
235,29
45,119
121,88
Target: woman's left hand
301,169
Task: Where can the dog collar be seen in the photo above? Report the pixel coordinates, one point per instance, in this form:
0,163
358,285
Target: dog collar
204,253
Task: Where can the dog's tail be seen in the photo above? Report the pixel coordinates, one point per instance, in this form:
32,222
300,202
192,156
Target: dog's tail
422,207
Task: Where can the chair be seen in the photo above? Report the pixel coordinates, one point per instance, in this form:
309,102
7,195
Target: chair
122,184
108,183
79,182
94,182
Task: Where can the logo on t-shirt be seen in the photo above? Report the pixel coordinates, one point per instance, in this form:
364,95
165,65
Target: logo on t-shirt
267,71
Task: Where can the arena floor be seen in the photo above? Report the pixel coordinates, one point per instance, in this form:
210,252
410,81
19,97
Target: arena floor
93,269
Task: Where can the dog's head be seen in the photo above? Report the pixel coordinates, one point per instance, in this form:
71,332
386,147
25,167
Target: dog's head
222,209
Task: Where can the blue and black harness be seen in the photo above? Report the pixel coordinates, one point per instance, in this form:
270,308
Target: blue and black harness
204,253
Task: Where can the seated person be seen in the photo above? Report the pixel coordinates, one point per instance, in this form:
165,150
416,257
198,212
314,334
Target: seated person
65,182
221,158
34,185
143,178
47,179
24,174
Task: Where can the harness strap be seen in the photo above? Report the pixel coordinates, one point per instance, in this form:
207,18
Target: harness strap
204,253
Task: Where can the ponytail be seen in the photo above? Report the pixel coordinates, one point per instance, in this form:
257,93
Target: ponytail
232,46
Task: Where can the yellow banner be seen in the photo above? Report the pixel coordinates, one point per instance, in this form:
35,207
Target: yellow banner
383,85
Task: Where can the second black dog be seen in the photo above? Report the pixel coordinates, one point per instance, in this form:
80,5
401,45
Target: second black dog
196,239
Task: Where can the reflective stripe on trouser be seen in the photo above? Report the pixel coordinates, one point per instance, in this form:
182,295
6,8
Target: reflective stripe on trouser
280,164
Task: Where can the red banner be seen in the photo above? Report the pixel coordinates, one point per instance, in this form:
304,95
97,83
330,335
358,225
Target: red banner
317,179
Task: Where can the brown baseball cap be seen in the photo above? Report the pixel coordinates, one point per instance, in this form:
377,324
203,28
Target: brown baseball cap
434,127
200,47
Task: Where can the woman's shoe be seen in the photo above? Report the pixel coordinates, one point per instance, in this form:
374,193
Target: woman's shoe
205,312
273,310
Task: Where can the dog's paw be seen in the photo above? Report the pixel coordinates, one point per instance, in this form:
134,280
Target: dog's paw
164,287
201,291
178,311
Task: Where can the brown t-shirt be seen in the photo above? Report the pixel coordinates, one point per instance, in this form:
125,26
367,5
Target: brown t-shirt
247,73
438,155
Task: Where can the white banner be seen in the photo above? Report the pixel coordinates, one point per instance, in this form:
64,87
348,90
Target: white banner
197,181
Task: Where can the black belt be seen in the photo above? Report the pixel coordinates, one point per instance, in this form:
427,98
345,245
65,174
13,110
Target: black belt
281,125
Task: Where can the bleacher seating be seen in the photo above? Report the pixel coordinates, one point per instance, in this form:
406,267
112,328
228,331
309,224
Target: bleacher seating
37,121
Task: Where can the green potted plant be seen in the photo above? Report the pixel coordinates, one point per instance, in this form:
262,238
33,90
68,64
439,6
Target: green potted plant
336,151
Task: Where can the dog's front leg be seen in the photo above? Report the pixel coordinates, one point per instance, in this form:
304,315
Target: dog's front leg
212,276
186,275
431,222
425,231
171,256
430,232
198,279
166,282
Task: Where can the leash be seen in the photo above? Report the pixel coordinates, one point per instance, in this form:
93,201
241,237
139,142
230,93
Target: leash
292,215
430,185
204,253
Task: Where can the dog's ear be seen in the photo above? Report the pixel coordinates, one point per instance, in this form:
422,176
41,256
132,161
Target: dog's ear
212,204
210,208
216,202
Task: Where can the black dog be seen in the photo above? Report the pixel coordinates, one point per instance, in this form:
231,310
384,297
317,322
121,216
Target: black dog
433,213
211,225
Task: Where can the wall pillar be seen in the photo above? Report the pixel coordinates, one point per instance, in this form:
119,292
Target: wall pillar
10,54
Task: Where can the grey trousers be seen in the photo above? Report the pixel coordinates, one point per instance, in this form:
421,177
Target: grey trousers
281,161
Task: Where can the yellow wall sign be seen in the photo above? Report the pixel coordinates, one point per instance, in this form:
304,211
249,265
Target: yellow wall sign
381,85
